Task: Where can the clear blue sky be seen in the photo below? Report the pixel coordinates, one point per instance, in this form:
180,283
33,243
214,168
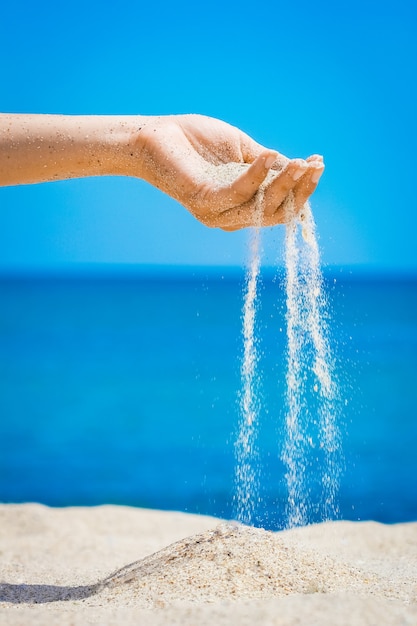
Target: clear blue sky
335,78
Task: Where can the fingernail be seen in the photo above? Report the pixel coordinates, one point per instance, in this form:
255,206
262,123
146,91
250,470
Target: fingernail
297,174
316,176
269,161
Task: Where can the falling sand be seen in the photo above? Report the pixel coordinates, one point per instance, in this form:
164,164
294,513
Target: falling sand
246,473
309,425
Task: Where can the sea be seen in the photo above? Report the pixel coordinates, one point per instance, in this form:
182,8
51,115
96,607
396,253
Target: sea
123,387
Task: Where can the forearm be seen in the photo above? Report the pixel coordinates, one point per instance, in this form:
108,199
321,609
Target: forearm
40,148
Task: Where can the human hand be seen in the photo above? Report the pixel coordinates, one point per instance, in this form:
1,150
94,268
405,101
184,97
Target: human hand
215,171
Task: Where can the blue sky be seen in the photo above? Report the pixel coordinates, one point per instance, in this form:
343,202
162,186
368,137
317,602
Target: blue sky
338,79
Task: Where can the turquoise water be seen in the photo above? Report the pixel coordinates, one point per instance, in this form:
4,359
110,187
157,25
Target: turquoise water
125,390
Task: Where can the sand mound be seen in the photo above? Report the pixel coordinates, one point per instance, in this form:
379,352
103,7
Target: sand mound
240,562
230,562
66,566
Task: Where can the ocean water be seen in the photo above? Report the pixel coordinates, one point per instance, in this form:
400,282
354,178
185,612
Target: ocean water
125,389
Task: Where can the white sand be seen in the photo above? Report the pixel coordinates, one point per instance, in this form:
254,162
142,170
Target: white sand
58,566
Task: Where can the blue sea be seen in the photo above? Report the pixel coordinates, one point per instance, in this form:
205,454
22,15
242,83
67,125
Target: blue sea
124,388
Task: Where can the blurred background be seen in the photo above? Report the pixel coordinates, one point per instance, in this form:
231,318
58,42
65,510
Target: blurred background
120,315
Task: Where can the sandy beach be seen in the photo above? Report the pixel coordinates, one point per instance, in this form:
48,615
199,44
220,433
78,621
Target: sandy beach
119,565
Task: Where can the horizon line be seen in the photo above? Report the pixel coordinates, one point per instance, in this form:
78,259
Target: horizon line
155,270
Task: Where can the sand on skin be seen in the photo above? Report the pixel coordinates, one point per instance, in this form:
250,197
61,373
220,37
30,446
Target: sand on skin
58,566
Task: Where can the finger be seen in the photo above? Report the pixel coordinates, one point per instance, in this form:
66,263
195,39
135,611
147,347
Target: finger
245,187
302,191
245,214
252,150
274,195
242,188
314,158
281,185
307,185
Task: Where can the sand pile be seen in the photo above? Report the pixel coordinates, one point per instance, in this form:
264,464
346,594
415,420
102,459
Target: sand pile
69,566
231,562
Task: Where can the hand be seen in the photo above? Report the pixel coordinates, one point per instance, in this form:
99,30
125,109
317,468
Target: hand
215,171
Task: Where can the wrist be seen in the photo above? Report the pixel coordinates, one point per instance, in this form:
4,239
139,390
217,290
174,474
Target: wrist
123,143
